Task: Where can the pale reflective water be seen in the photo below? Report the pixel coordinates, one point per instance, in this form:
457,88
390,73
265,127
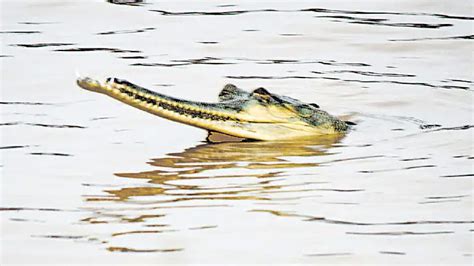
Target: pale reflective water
86,179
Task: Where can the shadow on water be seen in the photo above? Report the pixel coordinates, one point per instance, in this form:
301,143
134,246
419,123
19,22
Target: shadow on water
179,174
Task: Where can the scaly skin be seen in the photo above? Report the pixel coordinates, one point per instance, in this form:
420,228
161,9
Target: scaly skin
258,115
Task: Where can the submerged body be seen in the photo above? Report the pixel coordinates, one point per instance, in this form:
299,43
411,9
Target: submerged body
258,115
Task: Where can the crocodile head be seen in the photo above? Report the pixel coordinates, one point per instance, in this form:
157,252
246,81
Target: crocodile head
258,115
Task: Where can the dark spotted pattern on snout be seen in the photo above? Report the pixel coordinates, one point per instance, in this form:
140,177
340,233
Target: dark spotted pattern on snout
176,109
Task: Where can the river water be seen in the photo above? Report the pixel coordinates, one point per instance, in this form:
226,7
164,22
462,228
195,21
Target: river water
86,179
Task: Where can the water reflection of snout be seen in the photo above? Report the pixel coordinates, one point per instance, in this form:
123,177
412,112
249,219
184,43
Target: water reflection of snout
232,170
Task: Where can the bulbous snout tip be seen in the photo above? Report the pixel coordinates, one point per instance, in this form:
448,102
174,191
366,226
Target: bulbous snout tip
89,84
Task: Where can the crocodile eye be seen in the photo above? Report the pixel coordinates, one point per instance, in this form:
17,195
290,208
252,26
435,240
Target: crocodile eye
261,94
314,105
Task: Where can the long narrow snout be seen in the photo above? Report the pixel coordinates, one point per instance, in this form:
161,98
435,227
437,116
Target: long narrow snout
208,116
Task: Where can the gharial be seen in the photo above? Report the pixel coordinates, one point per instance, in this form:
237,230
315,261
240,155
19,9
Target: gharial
256,115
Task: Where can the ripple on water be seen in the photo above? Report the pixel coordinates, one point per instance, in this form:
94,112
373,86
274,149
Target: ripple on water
41,125
127,2
126,31
96,49
40,45
134,250
19,32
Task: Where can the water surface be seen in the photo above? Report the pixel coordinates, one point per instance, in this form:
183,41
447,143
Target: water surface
83,174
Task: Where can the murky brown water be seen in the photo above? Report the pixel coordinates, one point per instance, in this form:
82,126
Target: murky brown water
86,179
